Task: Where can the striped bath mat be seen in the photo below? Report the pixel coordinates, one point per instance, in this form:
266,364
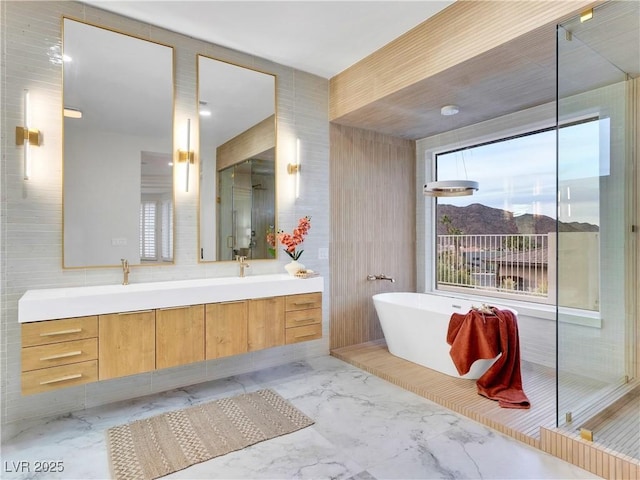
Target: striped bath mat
157,446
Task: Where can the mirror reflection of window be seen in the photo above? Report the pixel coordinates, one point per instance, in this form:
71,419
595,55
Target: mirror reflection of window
237,161
118,123
156,208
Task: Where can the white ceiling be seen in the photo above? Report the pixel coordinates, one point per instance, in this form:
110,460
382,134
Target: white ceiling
325,38
320,37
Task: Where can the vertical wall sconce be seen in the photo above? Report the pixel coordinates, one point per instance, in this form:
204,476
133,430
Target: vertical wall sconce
27,136
187,156
294,168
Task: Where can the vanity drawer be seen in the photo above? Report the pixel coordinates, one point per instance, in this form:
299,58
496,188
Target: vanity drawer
303,301
47,379
304,333
56,354
54,331
298,318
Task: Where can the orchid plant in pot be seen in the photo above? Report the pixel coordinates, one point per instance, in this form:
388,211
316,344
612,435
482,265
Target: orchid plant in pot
291,241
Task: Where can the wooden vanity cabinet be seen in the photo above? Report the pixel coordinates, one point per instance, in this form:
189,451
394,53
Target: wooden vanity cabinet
265,323
73,351
59,353
226,329
303,317
179,336
127,343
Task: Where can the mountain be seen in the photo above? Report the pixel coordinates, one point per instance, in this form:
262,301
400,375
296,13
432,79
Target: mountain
477,219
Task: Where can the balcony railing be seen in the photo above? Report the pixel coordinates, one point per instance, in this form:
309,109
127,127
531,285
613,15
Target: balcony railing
503,264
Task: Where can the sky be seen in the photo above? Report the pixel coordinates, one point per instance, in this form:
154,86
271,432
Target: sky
519,175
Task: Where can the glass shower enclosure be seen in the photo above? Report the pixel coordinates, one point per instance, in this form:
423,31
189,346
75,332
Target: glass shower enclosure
598,70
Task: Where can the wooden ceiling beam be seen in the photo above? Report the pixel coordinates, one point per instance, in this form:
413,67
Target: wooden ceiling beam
457,34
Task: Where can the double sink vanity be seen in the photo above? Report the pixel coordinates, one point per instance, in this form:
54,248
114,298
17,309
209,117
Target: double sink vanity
72,336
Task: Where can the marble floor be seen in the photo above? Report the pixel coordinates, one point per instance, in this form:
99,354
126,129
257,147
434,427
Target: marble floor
365,428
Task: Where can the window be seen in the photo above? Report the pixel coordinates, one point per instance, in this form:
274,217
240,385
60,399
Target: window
156,226
167,229
148,210
502,241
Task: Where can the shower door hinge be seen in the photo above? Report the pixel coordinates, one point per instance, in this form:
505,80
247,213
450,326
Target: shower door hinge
586,434
568,418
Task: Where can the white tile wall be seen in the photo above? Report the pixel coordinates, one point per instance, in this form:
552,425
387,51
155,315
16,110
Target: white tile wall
31,212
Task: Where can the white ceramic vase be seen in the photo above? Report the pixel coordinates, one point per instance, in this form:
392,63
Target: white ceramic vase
293,267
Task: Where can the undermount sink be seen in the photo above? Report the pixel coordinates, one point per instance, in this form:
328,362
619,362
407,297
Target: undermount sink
54,303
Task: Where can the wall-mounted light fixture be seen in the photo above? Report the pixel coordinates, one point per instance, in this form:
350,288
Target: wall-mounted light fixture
294,168
27,136
187,156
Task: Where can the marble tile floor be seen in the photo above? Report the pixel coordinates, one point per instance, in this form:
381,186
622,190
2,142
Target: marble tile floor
366,428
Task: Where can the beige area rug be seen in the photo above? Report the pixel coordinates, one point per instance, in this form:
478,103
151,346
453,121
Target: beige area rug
157,446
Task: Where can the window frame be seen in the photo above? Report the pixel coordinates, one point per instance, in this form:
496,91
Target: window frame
431,242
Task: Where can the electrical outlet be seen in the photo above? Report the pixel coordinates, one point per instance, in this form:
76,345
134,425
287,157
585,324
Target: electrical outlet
323,253
118,242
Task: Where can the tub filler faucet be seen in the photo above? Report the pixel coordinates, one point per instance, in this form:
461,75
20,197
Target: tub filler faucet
380,276
125,271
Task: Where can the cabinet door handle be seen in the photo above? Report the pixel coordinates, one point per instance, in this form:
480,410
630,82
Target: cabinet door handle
61,332
61,355
135,313
304,336
304,303
62,379
182,307
305,319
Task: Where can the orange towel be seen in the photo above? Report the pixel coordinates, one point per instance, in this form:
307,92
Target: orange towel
476,335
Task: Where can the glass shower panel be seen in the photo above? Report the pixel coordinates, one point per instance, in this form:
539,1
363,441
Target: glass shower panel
596,315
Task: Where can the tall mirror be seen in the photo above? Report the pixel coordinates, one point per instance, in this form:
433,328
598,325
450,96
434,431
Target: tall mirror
118,148
237,161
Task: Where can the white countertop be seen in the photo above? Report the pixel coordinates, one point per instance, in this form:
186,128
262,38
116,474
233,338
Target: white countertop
54,303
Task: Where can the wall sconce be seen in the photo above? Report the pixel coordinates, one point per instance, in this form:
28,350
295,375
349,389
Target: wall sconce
27,136
187,156
294,168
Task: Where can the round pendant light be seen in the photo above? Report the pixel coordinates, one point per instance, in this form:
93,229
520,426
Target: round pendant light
450,188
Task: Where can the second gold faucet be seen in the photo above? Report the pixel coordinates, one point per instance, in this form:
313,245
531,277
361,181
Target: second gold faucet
242,261
125,271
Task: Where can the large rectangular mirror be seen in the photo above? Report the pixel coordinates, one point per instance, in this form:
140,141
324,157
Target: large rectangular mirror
118,148
237,161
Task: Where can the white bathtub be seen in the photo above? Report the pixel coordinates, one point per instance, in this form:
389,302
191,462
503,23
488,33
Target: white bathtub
415,328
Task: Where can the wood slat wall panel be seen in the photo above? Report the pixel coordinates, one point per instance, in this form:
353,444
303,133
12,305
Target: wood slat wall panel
255,140
456,34
372,227
519,74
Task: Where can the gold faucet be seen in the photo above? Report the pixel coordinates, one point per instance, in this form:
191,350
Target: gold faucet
243,264
125,271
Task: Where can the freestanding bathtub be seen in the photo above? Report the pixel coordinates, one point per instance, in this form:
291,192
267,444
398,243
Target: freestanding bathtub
415,328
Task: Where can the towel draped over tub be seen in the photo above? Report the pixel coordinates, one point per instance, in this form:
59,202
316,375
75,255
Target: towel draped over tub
477,335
